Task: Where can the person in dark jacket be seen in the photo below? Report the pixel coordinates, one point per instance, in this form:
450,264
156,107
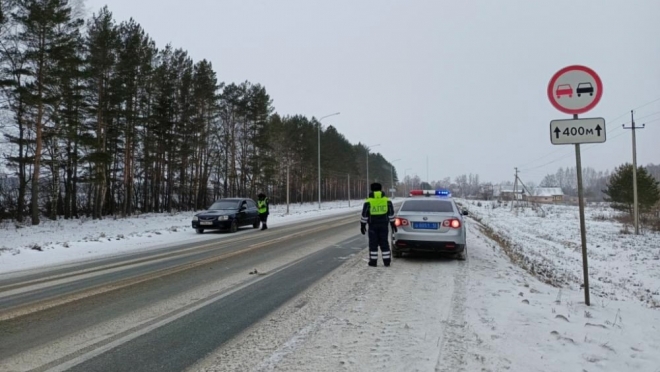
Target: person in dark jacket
378,212
262,204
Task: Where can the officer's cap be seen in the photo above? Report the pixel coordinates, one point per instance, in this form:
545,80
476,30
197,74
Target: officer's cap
376,186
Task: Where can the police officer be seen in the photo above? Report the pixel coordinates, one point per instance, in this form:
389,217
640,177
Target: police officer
378,212
262,204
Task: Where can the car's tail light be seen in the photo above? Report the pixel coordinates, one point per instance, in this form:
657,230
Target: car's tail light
401,222
453,223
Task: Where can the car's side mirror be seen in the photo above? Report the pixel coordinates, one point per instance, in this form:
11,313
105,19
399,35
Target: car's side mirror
465,213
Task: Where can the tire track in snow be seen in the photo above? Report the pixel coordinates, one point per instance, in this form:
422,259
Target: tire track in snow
453,346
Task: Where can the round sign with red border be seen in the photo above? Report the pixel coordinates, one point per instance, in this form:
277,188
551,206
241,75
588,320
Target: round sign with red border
575,89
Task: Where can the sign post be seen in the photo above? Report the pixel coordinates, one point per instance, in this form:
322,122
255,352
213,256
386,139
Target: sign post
575,90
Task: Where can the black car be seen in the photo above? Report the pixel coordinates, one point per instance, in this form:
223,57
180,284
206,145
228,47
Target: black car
583,88
228,214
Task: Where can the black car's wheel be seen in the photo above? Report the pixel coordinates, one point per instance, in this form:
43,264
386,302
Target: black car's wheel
256,224
233,227
397,253
200,231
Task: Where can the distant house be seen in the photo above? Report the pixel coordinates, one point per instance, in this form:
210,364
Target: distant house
507,192
547,195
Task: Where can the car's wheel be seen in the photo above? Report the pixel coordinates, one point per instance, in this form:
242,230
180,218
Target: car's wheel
233,227
200,231
463,255
256,224
397,253
591,94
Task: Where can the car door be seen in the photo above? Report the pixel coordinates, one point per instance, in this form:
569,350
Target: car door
253,211
243,218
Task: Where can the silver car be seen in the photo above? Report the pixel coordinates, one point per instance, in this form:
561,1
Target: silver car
430,224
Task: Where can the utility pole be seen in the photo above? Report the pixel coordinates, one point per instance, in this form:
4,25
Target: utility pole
287,189
392,177
634,147
515,189
349,190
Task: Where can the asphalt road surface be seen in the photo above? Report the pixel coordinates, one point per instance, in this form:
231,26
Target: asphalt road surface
164,310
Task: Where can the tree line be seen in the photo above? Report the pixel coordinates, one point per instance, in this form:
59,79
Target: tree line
97,120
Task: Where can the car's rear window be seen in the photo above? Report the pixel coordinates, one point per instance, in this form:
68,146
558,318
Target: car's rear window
225,204
438,206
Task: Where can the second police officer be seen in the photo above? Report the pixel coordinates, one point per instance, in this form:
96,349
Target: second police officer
264,210
378,213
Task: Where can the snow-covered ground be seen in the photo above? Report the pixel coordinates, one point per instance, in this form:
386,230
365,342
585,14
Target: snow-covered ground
424,313
622,266
57,242
433,314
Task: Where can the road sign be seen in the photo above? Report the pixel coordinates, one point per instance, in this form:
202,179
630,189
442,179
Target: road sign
575,89
572,131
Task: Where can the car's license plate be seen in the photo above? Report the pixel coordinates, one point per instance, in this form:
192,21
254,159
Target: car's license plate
425,225
206,223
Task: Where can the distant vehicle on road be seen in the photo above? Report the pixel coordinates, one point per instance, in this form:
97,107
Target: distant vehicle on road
564,90
584,88
228,214
431,222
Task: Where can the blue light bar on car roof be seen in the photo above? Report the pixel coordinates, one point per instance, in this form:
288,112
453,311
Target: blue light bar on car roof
439,192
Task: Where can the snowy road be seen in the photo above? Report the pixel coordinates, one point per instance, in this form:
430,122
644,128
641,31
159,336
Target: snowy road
193,311
432,314
408,317
423,313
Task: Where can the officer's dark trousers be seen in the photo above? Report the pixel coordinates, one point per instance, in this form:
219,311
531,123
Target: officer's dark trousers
378,237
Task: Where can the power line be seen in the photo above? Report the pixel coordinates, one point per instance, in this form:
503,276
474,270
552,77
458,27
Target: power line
564,149
561,148
586,147
646,104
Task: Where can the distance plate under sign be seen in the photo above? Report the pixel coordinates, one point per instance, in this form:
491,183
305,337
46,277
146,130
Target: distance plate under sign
573,131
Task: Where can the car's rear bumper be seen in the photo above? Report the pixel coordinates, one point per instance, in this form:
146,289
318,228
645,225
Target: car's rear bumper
406,246
456,236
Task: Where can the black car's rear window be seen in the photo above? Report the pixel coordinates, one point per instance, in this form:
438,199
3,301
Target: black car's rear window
225,204
427,206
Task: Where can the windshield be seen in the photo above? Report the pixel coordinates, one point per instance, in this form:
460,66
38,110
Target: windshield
224,204
432,206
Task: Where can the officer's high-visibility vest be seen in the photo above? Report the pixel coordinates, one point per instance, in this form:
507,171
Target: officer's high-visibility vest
262,205
377,204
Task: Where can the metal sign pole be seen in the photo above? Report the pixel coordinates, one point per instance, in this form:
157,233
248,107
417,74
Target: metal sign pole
575,90
583,228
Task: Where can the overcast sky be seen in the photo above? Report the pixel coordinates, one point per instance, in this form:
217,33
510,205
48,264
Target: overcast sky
460,82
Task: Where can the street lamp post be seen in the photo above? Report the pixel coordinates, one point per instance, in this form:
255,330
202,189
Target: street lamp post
368,149
319,158
405,179
392,177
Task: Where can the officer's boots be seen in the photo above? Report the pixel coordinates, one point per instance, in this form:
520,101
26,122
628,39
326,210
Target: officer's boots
264,227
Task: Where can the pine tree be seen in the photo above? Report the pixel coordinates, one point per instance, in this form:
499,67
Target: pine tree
47,33
619,189
102,41
12,83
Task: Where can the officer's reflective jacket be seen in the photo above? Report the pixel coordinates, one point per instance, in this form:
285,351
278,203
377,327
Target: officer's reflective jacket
377,209
262,204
